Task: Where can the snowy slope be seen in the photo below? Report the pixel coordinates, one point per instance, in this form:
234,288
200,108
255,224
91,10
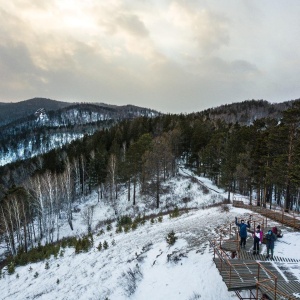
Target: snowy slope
182,271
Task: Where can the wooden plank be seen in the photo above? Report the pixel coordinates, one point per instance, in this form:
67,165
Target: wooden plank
241,281
241,274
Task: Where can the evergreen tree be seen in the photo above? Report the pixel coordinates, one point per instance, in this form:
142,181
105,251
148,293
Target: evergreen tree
291,119
171,238
105,245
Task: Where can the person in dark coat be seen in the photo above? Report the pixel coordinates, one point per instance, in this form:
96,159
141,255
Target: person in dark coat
277,232
270,239
243,231
257,239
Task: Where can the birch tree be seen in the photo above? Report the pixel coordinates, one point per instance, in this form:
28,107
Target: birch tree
112,174
68,191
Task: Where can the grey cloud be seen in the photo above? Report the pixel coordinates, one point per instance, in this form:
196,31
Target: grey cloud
34,4
18,69
132,24
14,58
243,67
123,61
211,31
216,68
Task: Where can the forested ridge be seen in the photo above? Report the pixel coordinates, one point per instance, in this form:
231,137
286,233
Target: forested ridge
261,159
36,126
248,111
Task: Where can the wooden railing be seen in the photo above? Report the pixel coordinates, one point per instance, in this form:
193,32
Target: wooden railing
269,285
291,220
234,276
240,275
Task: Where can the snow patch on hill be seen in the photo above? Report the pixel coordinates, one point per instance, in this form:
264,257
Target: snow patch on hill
140,264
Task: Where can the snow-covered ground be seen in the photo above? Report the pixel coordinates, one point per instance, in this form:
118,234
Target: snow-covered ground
140,264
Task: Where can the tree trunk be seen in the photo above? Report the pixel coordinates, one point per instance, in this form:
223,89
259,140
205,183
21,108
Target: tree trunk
250,195
129,187
134,191
287,197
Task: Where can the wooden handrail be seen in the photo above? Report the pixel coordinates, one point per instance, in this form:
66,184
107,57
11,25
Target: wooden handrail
228,266
282,217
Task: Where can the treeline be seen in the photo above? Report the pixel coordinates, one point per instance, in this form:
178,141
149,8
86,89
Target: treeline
262,159
246,112
37,140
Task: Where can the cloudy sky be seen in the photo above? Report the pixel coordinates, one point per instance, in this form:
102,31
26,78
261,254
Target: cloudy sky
173,56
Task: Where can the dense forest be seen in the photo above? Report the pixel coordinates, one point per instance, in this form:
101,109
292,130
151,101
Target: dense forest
261,160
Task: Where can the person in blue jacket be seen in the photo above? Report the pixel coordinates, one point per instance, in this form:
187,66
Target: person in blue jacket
243,231
270,239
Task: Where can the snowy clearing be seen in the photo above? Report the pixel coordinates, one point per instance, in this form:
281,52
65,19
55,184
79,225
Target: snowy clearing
140,264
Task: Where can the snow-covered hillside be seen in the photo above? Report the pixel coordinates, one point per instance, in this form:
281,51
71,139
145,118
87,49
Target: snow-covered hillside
25,149
38,132
140,264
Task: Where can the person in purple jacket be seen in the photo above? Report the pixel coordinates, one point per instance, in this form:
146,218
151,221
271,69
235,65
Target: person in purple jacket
257,239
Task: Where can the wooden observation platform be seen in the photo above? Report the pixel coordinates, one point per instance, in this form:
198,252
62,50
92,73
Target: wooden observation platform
243,271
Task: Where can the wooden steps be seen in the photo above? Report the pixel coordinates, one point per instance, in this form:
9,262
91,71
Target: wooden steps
254,272
285,290
241,275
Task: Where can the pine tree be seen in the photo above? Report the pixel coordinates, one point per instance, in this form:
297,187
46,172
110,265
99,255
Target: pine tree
11,268
171,238
291,119
105,245
99,246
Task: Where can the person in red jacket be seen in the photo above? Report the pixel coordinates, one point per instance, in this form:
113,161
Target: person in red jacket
277,232
257,239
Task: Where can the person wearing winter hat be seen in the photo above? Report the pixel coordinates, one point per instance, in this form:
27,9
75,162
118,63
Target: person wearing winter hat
243,231
257,239
270,239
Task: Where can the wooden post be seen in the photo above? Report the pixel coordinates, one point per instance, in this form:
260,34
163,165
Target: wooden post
275,292
294,221
230,276
214,252
221,259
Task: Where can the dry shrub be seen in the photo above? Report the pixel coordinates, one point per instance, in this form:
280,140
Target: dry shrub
225,208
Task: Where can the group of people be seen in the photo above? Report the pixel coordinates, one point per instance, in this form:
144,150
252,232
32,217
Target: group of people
258,237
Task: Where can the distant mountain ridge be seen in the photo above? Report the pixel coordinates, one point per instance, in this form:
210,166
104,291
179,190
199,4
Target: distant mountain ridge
30,127
246,112
11,112
35,126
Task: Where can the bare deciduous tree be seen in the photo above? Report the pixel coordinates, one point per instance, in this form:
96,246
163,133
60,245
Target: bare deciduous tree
87,217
